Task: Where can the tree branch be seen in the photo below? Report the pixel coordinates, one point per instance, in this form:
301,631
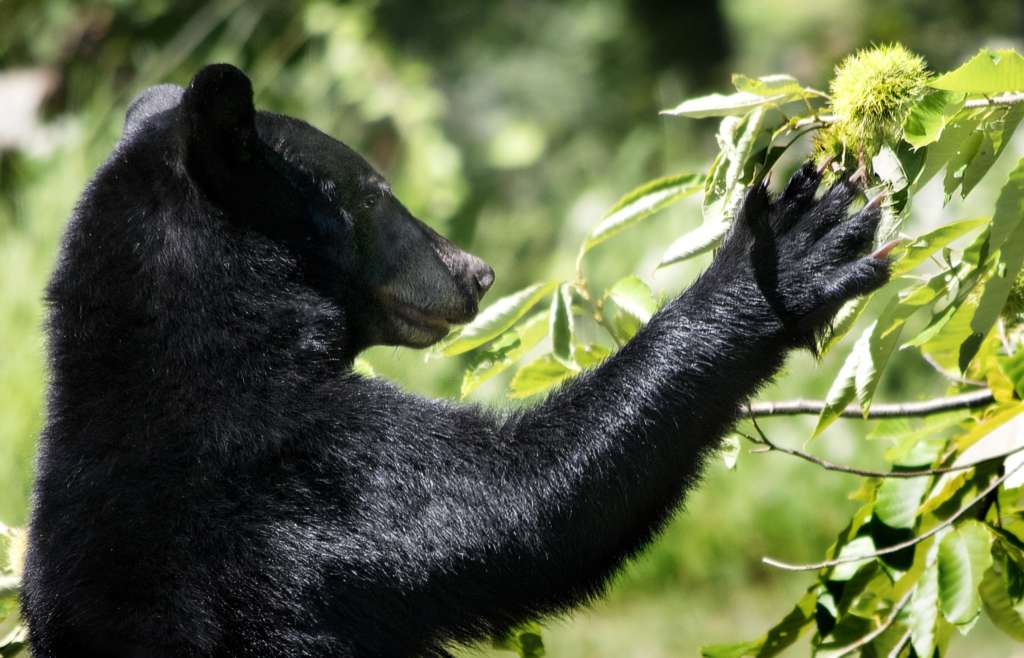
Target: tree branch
895,548
971,400
771,446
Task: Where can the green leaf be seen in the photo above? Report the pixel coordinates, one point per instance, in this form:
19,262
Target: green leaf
922,247
1004,609
988,72
996,131
504,352
696,242
563,347
723,189
844,321
717,105
1007,235
957,130
860,373
538,376
495,319
1007,217
778,84
882,337
928,117
898,500
923,610
1013,367
591,356
635,297
964,556
962,156
863,545
641,203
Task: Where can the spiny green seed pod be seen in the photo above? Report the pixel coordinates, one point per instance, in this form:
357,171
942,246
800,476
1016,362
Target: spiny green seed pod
871,94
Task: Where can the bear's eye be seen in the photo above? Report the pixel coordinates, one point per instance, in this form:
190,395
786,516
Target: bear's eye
369,201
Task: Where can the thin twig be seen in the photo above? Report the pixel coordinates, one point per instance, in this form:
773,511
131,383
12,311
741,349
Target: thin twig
895,548
1005,99
904,641
840,468
971,400
949,375
883,627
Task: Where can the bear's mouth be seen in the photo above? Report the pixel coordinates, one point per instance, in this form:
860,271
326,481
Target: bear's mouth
420,327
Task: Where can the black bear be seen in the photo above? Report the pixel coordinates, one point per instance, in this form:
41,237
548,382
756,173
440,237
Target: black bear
215,482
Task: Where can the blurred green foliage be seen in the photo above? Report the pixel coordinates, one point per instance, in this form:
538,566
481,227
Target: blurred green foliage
511,127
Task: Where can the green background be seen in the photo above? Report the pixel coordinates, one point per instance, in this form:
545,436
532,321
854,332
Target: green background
510,127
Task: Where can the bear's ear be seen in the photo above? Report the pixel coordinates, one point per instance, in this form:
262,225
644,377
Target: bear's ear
219,123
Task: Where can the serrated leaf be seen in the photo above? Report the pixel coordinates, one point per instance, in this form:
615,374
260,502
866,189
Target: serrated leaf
773,85
1013,367
504,352
1005,610
495,319
964,556
717,105
928,117
988,72
995,130
922,247
843,389
696,242
938,154
863,545
641,203
924,610
898,499
1007,235
540,375
845,319
563,346
882,337
634,296
859,375
965,151
591,356
723,189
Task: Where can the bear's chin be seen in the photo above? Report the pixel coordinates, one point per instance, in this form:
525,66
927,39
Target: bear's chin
413,328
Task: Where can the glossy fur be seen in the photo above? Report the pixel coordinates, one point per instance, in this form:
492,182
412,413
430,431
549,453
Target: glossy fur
215,482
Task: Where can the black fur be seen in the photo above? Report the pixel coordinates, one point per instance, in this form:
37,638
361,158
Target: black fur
214,481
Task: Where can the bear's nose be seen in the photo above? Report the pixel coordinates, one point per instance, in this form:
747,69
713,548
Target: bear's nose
482,276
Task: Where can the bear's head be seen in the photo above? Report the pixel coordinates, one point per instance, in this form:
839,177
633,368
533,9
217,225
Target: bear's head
400,283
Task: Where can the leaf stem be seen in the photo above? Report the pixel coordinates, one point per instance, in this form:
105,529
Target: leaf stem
895,548
971,400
